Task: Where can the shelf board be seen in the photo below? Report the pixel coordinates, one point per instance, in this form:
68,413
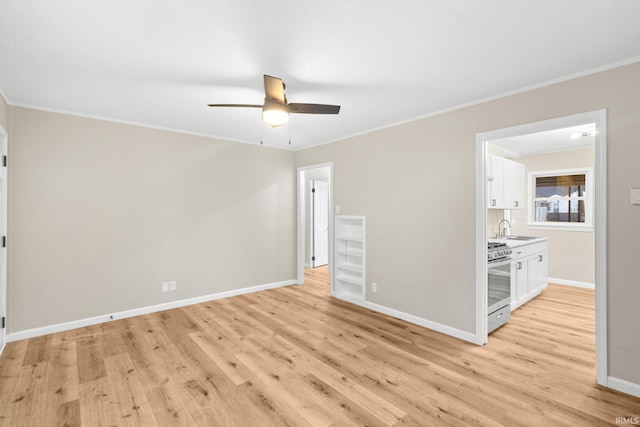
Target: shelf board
353,281
351,239
351,253
351,297
350,267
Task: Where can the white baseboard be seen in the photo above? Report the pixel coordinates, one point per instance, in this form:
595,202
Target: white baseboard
624,386
577,284
59,327
438,327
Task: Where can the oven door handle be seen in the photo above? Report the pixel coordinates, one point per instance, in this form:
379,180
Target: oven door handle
499,264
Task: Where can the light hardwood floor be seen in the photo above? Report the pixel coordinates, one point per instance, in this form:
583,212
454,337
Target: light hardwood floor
295,357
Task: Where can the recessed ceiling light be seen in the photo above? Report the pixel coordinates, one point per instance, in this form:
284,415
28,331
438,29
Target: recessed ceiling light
577,135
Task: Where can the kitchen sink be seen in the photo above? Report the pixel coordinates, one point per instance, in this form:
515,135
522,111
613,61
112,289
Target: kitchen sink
520,238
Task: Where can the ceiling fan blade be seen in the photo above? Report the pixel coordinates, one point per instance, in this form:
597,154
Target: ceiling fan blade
236,105
274,89
313,108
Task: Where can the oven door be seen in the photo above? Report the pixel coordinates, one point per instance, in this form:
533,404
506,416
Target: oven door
499,285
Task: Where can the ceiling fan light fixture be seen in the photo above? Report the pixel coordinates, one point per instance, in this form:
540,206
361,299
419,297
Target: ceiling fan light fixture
276,109
275,114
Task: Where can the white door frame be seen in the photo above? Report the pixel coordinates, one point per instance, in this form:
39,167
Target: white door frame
301,220
3,232
599,117
312,221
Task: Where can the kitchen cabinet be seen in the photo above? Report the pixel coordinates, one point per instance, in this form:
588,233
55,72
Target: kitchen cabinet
513,185
505,183
495,182
349,278
529,271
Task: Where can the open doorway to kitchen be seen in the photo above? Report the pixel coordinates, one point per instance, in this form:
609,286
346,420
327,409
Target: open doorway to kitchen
543,181
315,225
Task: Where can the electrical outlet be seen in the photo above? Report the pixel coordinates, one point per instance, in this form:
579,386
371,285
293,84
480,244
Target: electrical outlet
337,209
173,286
374,287
165,286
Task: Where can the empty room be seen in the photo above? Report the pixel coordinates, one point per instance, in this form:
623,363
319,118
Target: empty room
319,213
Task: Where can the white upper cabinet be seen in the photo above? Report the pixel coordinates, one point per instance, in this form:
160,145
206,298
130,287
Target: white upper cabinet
513,185
505,183
495,182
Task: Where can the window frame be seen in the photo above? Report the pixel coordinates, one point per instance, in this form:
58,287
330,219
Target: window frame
586,226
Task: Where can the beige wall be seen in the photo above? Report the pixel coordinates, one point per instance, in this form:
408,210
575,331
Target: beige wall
416,185
571,253
101,213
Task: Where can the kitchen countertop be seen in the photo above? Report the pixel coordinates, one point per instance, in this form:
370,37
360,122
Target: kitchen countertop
516,241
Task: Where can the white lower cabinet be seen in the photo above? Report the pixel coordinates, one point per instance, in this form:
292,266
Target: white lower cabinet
349,277
529,271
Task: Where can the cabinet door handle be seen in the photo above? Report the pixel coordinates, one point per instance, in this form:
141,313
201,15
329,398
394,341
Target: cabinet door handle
516,203
493,202
519,266
539,258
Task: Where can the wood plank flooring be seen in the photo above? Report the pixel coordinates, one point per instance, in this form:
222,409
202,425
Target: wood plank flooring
295,357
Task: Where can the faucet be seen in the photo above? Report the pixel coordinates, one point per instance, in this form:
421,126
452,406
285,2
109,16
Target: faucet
504,230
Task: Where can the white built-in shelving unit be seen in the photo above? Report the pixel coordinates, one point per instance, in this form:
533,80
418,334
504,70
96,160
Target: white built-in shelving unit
349,274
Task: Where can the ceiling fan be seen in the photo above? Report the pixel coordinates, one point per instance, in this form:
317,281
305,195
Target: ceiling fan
276,109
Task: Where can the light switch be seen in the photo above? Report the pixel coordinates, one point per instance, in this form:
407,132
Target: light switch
634,197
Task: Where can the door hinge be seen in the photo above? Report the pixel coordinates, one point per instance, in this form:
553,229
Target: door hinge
4,241
313,190
4,322
313,258
4,161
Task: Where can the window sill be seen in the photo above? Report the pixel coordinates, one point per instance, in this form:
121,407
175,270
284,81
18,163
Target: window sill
587,228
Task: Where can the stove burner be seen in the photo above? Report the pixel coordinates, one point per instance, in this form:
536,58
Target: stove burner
497,252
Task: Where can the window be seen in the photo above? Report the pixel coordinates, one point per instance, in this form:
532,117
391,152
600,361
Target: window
561,199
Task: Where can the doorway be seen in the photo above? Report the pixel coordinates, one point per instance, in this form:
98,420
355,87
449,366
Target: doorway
3,234
315,225
598,118
319,222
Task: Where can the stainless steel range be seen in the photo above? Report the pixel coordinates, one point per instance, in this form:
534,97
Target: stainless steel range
499,285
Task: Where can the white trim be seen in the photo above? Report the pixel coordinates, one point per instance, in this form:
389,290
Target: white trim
416,320
487,99
147,126
624,386
301,241
6,101
60,327
599,117
4,280
481,336
574,283
600,195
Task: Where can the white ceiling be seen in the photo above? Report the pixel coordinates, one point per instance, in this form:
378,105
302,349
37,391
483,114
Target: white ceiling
564,139
159,62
